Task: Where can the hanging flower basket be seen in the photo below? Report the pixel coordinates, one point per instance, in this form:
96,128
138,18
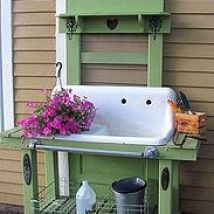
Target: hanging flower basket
64,113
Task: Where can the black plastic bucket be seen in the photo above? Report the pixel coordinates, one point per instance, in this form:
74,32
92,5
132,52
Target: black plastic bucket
129,195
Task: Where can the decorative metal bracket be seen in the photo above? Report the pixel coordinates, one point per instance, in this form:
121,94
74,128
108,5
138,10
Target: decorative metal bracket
155,24
33,143
27,169
165,178
112,23
151,152
71,25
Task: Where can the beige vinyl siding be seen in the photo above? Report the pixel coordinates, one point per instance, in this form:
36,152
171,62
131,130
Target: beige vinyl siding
34,64
188,66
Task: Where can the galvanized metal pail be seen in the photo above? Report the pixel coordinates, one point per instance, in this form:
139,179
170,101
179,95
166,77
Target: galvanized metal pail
129,195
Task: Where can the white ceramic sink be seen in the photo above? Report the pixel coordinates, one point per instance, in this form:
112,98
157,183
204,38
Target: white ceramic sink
127,115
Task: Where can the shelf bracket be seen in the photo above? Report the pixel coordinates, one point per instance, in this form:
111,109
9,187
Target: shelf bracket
155,25
71,25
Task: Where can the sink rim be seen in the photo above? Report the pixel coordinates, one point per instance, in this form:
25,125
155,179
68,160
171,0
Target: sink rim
116,139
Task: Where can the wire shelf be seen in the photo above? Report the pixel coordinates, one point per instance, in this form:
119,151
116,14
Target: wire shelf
47,203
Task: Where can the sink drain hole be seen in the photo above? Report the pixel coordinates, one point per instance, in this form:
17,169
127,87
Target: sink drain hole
148,102
123,101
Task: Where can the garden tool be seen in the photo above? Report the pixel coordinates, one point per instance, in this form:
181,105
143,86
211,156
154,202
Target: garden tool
179,137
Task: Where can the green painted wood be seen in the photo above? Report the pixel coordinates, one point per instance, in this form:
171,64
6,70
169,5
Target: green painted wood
188,151
75,168
74,77
114,58
175,186
68,206
151,175
101,171
114,6
11,138
74,59
67,15
9,132
138,23
155,60
168,199
153,79
189,145
168,151
56,206
30,191
51,172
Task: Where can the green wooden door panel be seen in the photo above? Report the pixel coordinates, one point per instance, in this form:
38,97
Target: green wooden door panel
103,170
112,167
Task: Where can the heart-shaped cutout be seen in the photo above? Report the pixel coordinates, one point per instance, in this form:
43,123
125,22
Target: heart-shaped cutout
112,23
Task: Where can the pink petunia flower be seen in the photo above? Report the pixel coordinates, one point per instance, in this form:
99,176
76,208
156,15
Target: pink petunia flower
63,114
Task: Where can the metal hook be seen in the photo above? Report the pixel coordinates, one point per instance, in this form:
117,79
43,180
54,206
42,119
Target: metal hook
58,73
58,76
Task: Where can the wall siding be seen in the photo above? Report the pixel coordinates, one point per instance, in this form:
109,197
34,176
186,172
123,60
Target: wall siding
188,66
34,56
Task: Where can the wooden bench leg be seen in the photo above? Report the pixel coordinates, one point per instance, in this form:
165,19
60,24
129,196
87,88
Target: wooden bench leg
51,172
30,183
168,196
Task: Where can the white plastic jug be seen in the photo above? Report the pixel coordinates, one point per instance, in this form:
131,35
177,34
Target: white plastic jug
85,198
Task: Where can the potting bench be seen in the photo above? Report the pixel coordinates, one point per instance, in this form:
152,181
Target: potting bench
87,160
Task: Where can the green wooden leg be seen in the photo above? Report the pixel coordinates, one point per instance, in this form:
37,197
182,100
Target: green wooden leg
151,174
51,168
75,168
30,183
168,199
176,186
74,78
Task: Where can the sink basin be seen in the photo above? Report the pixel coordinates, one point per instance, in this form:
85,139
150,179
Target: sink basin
127,115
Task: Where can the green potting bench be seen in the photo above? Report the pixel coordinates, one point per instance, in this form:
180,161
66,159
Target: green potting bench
86,161
102,170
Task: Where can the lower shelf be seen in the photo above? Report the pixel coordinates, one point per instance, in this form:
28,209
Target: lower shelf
45,204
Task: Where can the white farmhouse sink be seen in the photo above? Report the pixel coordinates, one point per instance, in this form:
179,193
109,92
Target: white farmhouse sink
127,115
